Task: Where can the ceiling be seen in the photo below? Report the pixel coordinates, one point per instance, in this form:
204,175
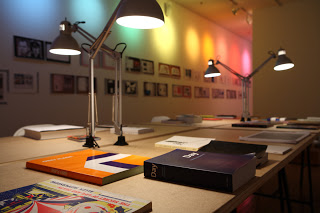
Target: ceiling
220,12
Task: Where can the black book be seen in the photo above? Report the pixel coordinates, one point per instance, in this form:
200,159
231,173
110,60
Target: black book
216,171
253,124
238,148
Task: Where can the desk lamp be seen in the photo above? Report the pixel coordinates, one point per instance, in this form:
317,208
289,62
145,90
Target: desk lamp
140,14
282,63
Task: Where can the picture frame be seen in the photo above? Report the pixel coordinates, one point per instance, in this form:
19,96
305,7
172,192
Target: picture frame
187,92
28,48
107,61
201,92
84,59
188,74
147,67
61,83
4,86
55,57
149,89
82,85
231,94
175,71
133,64
177,90
164,69
162,89
23,82
130,87
109,86
218,93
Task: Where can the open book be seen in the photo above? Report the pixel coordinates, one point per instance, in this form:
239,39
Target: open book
184,142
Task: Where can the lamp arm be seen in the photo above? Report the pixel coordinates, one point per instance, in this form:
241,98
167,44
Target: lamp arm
230,70
272,55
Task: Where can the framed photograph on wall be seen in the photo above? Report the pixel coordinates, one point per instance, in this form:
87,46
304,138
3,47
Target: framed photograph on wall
175,71
109,86
147,67
28,48
186,92
188,74
133,64
61,83
164,69
201,92
231,94
107,61
55,57
217,93
82,84
177,90
84,59
130,87
4,80
149,89
24,82
162,89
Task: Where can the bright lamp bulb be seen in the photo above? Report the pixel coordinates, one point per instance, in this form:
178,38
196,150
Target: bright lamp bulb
140,22
212,75
65,52
283,67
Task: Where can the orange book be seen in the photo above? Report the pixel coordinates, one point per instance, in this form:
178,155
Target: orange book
91,166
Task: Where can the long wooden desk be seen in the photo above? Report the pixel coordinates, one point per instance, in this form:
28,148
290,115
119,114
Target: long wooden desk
166,197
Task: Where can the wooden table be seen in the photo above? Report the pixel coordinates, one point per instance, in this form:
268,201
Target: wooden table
165,197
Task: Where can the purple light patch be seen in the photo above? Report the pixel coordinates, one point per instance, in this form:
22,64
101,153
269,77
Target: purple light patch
120,165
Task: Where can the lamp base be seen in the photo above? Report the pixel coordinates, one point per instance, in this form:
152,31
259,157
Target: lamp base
91,142
121,141
243,119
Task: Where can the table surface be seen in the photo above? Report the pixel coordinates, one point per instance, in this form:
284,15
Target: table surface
165,197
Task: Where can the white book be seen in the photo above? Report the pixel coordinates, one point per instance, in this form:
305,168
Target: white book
53,128
53,131
278,149
184,142
277,137
134,130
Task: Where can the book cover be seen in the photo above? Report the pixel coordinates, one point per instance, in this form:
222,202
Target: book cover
216,171
53,131
238,148
90,166
276,137
59,196
184,142
134,130
292,126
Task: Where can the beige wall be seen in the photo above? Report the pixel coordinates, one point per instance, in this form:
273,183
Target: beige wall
187,40
292,93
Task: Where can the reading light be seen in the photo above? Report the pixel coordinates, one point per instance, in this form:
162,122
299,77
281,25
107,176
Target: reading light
141,14
212,70
282,63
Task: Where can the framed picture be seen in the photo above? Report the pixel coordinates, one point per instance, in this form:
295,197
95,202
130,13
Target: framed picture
188,74
162,90
217,93
62,83
201,92
82,84
147,67
55,57
84,59
196,76
107,61
240,94
231,94
4,80
164,69
130,87
175,71
177,90
28,48
133,64
109,86
186,92
149,89
24,82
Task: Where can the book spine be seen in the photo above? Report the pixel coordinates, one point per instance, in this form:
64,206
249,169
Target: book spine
189,176
60,172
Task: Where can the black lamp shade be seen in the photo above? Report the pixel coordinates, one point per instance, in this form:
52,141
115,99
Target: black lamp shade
212,71
283,62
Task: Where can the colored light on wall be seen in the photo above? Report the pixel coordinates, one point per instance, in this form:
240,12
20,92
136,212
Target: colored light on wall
208,47
246,62
235,57
192,45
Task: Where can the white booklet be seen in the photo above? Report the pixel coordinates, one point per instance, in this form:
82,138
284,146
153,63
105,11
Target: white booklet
184,142
277,136
52,127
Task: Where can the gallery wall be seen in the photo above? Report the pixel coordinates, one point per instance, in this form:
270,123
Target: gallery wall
293,93
186,41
